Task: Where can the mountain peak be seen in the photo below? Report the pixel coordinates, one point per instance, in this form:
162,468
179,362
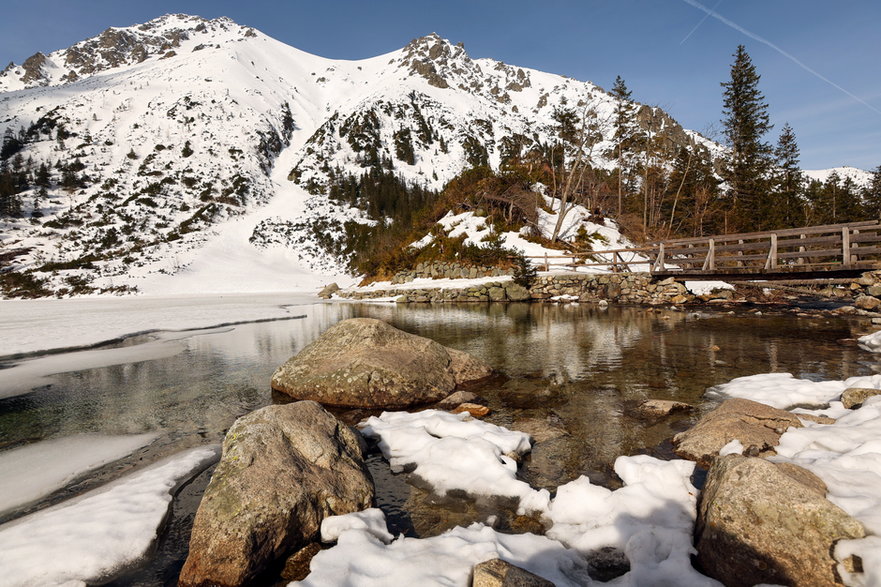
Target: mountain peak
435,59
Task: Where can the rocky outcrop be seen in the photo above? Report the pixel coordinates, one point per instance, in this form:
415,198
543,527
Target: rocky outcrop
367,363
498,573
854,397
758,428
284,469
327,292
760,522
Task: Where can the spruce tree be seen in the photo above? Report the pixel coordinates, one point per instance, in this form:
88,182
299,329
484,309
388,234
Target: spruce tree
624,120
746,122
788,181
872,195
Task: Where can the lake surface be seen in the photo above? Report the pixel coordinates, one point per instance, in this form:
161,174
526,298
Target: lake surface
570,375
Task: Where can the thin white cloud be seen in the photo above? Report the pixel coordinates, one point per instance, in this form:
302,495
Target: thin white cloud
789,56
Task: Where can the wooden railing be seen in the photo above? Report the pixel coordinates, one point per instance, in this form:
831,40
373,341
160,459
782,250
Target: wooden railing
853,245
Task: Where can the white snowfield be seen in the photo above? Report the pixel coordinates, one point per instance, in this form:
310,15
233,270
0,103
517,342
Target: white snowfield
846,455
90,537
860,177
871,342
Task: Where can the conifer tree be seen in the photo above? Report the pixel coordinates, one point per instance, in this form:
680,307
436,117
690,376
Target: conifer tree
872,195
746,122
789,181
624,119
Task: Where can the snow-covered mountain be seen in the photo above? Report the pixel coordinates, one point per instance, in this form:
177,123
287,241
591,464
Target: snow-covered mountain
860,177
202,149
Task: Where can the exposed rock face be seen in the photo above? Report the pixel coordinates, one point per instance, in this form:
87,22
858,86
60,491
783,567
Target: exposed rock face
459,397
855,396
284,469
328,291
498,573
867,303
367,363
760,522
757,426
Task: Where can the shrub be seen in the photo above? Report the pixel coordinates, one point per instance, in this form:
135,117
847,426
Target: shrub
524,271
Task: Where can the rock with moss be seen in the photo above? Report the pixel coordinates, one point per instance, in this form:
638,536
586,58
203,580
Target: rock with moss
284,469
366,363
768,523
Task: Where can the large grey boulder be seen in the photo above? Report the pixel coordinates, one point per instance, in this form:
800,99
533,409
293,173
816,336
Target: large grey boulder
367,363
758,428
284,469
761,522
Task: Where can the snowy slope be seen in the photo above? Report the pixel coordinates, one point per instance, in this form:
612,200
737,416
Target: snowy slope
192,155
860,177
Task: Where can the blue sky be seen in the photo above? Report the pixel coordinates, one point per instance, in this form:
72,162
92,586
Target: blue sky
652,44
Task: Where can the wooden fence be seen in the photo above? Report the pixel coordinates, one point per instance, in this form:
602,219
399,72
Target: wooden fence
850,246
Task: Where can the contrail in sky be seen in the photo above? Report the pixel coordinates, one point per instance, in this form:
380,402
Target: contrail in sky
698,25
789,56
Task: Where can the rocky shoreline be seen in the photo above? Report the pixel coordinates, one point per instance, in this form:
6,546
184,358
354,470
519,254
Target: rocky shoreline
292,476
863,293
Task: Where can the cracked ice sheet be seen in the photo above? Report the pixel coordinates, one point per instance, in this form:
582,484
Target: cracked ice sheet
92,536
455,452
38,469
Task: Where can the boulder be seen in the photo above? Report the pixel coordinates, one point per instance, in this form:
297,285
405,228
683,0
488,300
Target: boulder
517,293
758,428
284,469
328,291
498,573
853,397
655,408
366,363
867,303
497,294
761,522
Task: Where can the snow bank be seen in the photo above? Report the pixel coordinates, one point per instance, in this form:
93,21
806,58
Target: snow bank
700,288
36,470
454,452
371,520
650,519
98,533
782,390
360,558
871,342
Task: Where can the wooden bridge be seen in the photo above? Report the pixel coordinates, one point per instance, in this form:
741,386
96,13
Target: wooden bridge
828,251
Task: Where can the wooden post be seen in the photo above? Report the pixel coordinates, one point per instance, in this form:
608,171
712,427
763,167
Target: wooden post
740,253
710,261
771,263
801,249
659,261
690,256
615,267
547,264
845,246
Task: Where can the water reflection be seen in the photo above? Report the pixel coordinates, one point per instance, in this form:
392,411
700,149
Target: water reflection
571,373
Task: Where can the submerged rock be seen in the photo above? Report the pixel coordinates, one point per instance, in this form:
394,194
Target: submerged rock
366,363
474,410
654,408
761,522
458,398
284,469
756,426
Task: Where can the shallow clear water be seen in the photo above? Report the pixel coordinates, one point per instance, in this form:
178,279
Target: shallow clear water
570,375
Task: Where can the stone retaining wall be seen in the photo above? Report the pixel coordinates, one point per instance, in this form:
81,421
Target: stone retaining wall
626,288
448,270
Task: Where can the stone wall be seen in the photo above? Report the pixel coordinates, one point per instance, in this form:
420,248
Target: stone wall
448,270
625,288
